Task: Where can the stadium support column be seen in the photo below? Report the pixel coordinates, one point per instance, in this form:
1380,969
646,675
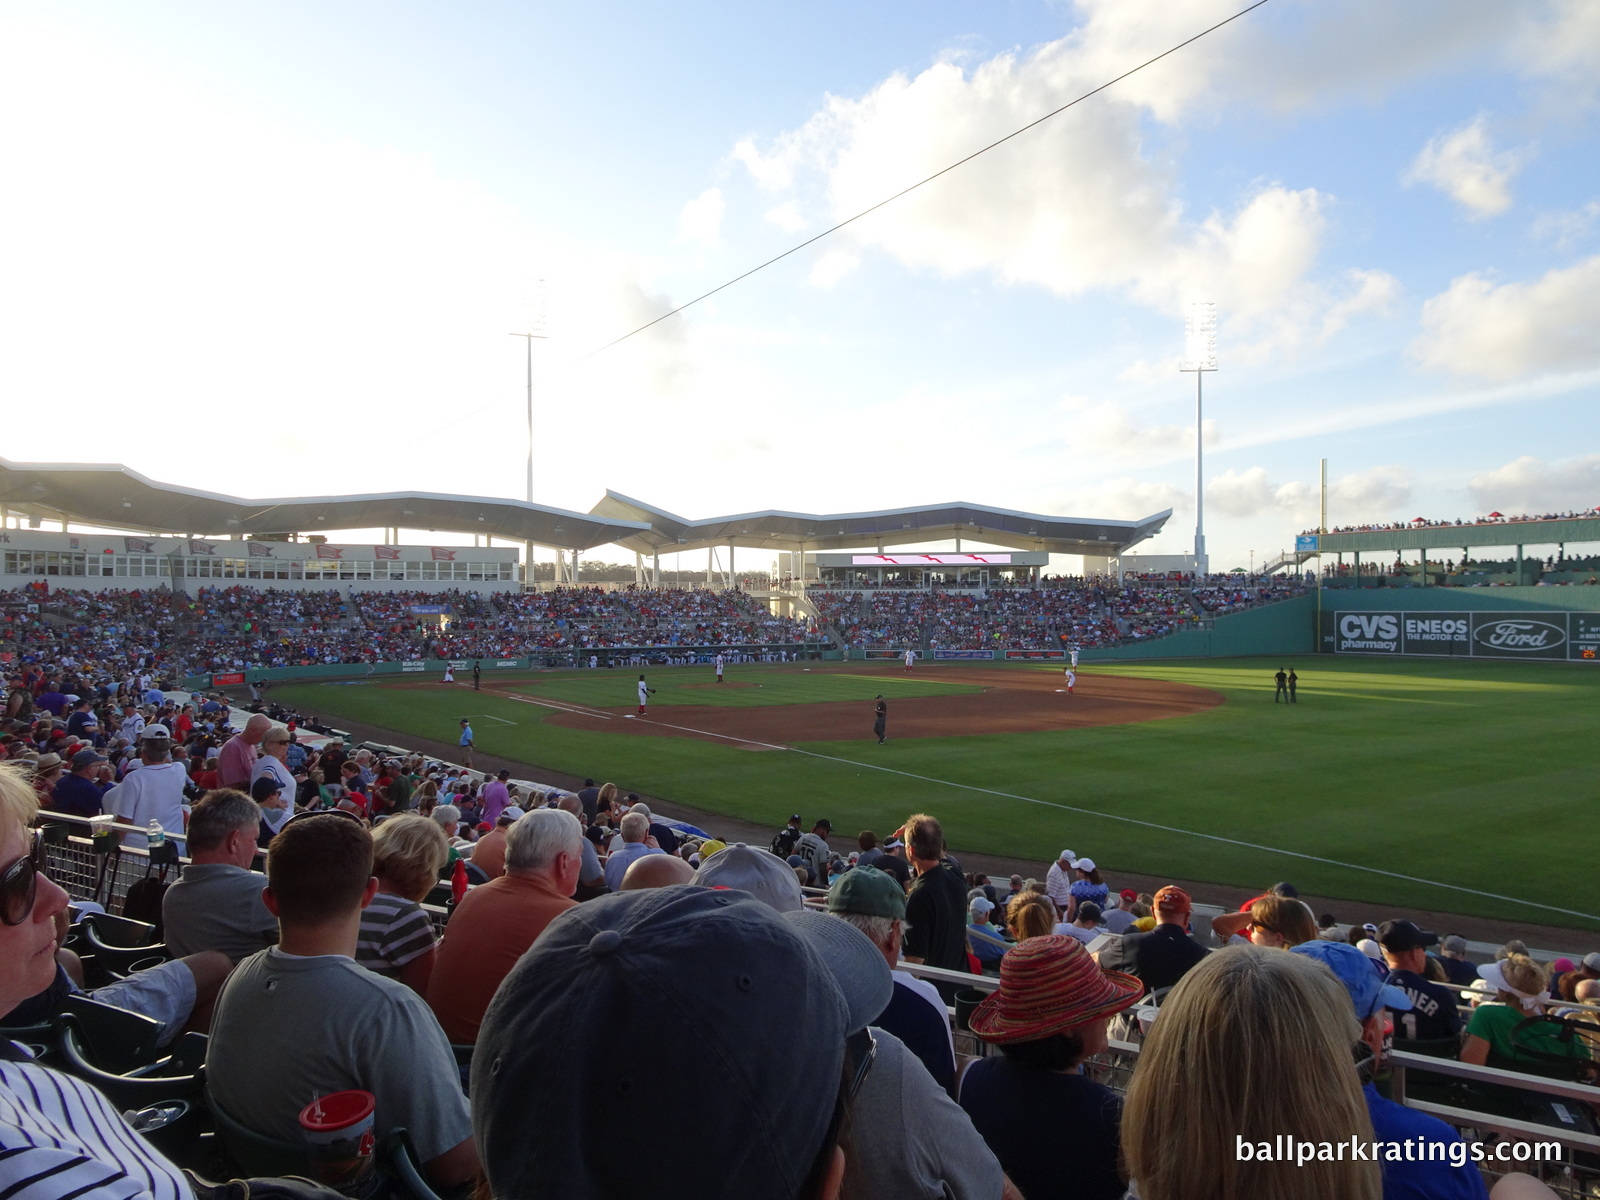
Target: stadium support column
655,572
638,569
1519,565
732,576
574,564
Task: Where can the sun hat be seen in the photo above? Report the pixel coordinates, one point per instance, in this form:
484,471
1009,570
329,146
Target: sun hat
1049,985
1353,969
47,763
858,967
1494,975
868,892
761,873
600,967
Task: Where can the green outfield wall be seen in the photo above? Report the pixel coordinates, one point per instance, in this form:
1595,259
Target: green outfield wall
1286,627
1549,624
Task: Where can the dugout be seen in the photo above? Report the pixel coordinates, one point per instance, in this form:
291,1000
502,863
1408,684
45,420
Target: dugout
851,572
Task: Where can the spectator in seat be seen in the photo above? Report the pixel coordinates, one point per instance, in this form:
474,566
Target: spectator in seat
1251,1044
496,922
216,903
1393,1123
81,792
237,759
656,870
1058,881
1087,887
936,906
1085,925
154,792
489,851
635,830
58,1135
396,934
980,931
1433,1013
1049,1014
301,1019
591,877
1278,923
1165,954
936,1151
875,904
626,962
746,869
1519,989
1030,914
1119,919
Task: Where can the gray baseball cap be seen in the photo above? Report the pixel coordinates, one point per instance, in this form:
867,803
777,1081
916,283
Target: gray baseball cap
721,990
761,873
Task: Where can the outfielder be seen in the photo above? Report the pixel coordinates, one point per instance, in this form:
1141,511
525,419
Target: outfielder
645,692
1074,658
911,657
720,663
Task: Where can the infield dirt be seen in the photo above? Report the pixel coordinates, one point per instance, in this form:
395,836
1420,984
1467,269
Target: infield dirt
1012,701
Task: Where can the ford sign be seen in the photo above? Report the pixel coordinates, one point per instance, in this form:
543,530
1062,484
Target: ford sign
1522,635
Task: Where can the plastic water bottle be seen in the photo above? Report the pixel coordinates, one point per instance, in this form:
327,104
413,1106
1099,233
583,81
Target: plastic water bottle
458,880
155,835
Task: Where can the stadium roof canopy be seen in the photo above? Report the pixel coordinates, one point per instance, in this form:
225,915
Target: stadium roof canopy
777,530
118,497
121,498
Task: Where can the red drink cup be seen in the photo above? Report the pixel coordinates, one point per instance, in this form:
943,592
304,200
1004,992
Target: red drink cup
339,1138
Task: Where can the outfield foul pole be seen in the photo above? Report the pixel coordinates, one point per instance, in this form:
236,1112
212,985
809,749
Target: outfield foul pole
1200,356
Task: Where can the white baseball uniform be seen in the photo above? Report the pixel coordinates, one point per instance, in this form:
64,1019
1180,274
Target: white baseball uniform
1074,658
911,657
720,662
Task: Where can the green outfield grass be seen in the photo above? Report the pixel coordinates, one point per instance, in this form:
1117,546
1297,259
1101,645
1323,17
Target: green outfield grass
1478,774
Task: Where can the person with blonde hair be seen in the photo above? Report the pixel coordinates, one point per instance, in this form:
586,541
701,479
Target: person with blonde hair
1030,915
1520,992
396,937
1279,923
1249,1045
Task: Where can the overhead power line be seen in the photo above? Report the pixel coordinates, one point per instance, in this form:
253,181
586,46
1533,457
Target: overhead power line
906,191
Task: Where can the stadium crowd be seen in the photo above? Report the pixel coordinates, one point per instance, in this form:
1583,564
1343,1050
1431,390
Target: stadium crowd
240,628
1097,611
1493,518
584,929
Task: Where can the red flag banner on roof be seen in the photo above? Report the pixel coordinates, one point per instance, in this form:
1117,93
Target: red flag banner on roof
385,552
138,545
440,554
260,550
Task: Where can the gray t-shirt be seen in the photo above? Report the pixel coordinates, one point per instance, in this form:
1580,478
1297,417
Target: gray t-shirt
217,906
289,1028
908,1138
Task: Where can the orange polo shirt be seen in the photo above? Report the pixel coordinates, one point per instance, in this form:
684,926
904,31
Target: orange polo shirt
492,927
489,853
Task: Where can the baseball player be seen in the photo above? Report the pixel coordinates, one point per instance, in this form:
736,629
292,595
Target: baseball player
1074,658
721,662
594,662
449,673
645,691
1072,678
911,657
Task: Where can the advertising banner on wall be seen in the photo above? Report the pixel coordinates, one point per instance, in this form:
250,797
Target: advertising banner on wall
1015,654
1468,634
966,655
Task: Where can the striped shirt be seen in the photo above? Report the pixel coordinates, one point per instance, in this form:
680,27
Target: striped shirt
62,1140
394,931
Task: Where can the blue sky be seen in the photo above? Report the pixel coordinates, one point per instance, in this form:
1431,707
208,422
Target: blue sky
278,249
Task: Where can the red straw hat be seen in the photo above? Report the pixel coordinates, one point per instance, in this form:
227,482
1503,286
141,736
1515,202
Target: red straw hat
1049,985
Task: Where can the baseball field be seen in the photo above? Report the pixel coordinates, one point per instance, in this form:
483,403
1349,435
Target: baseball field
1457,786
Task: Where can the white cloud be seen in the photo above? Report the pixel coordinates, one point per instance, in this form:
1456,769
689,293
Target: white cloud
1372,494
787,217
1531,485
1515,329
701,218
1109,431
1559,41
1464,165
832,266
1121,499
1565,228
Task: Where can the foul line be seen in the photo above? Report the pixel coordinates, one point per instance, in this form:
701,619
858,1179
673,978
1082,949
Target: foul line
1089,812
558,706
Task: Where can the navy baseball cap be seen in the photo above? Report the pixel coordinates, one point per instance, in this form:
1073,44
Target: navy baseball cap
655,1011
1355,970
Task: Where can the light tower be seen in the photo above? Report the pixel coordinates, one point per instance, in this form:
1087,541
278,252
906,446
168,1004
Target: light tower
1199,356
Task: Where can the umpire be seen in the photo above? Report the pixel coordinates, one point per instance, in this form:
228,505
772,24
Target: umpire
880,718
